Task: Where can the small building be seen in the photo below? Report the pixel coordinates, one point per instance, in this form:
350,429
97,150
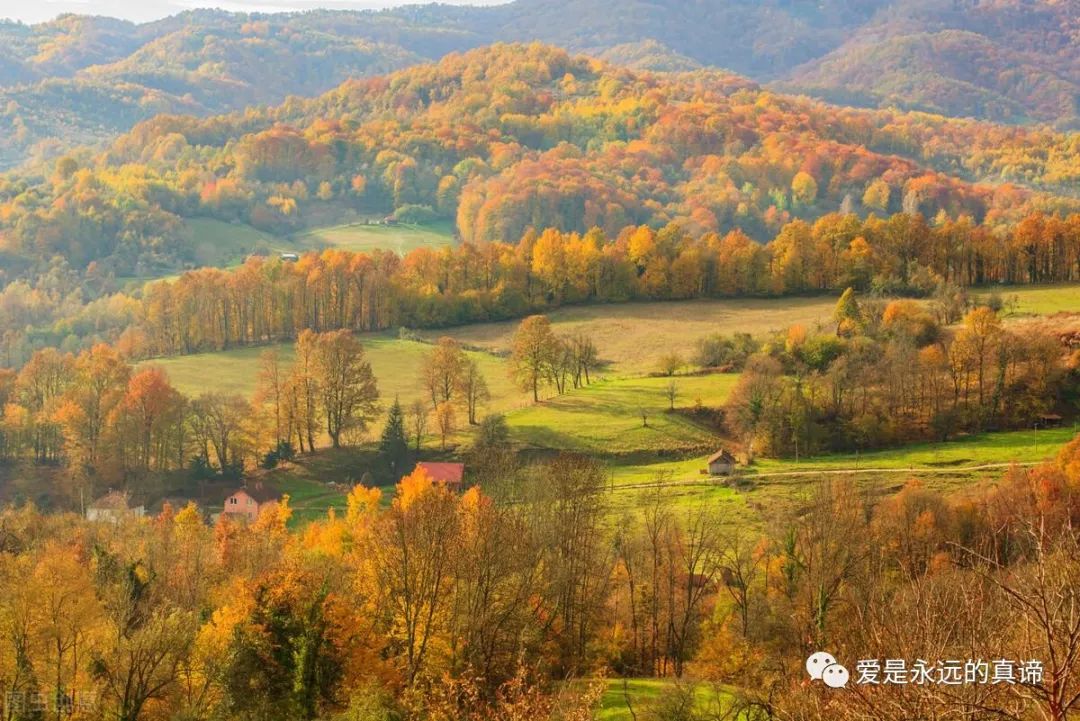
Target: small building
390,220
248,502
449,474
721,463
113,507
289,257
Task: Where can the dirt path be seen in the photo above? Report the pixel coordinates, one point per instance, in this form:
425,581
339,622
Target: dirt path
920,470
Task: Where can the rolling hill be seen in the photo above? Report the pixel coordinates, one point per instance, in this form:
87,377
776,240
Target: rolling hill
84,80
510,137
1010,61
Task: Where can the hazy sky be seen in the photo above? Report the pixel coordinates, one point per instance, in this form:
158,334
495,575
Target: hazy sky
33,11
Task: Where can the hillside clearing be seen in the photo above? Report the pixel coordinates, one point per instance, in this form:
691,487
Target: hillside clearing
1036,299
396,364
362,237
605,418
633,336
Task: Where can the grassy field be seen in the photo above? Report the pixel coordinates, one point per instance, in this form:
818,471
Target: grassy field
974,450
360,237
222,244
396,364
624,700
632,337
1037,299
772,485
225,245
605,418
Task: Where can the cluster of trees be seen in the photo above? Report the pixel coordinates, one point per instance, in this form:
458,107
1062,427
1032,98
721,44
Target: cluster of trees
511,137
540,356
267,299
113,425
891,374
483,605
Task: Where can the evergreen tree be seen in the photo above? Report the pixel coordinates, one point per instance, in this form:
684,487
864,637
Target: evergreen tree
394,444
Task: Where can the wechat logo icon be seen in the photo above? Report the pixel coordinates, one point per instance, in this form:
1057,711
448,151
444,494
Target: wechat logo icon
823,667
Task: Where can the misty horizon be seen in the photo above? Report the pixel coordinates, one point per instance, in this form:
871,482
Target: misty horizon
157,9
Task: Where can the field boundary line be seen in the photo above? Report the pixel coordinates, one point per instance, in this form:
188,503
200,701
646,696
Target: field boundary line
714,481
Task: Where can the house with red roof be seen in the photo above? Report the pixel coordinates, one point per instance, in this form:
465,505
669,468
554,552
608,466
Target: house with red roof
450,474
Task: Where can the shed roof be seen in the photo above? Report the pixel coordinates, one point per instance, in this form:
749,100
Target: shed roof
721,455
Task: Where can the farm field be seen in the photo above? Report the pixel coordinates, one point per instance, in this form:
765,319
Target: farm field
1038,299
360,237
396,364
632,337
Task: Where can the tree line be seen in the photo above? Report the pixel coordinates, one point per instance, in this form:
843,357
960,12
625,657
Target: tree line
268,300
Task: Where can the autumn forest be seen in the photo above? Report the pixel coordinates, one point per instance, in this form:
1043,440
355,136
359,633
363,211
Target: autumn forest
398,366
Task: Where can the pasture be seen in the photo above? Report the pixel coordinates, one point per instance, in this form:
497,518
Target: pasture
362,237
605,418
631,337
1027,300
395,362
216,243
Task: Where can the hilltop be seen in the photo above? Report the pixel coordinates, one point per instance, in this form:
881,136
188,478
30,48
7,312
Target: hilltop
84,80
512,137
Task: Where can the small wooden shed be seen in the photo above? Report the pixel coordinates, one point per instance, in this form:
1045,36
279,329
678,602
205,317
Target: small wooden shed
721,463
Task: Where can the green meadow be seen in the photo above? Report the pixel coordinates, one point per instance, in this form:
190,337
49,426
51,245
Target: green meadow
363,237
219,244
1036,299
642,698
395,362
624,417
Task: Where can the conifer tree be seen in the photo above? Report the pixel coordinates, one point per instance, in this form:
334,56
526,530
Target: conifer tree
394,444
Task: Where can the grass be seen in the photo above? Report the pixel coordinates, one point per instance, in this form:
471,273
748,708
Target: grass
220,244
645,694
632,337
604,418
775,484
396,364
1037,299
360,237
974,450
216,243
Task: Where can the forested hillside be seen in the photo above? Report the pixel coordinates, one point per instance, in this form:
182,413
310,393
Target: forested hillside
511,137
80,80
201,63
1005,61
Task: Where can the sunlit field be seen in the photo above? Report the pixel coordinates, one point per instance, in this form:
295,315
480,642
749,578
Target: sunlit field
363,237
